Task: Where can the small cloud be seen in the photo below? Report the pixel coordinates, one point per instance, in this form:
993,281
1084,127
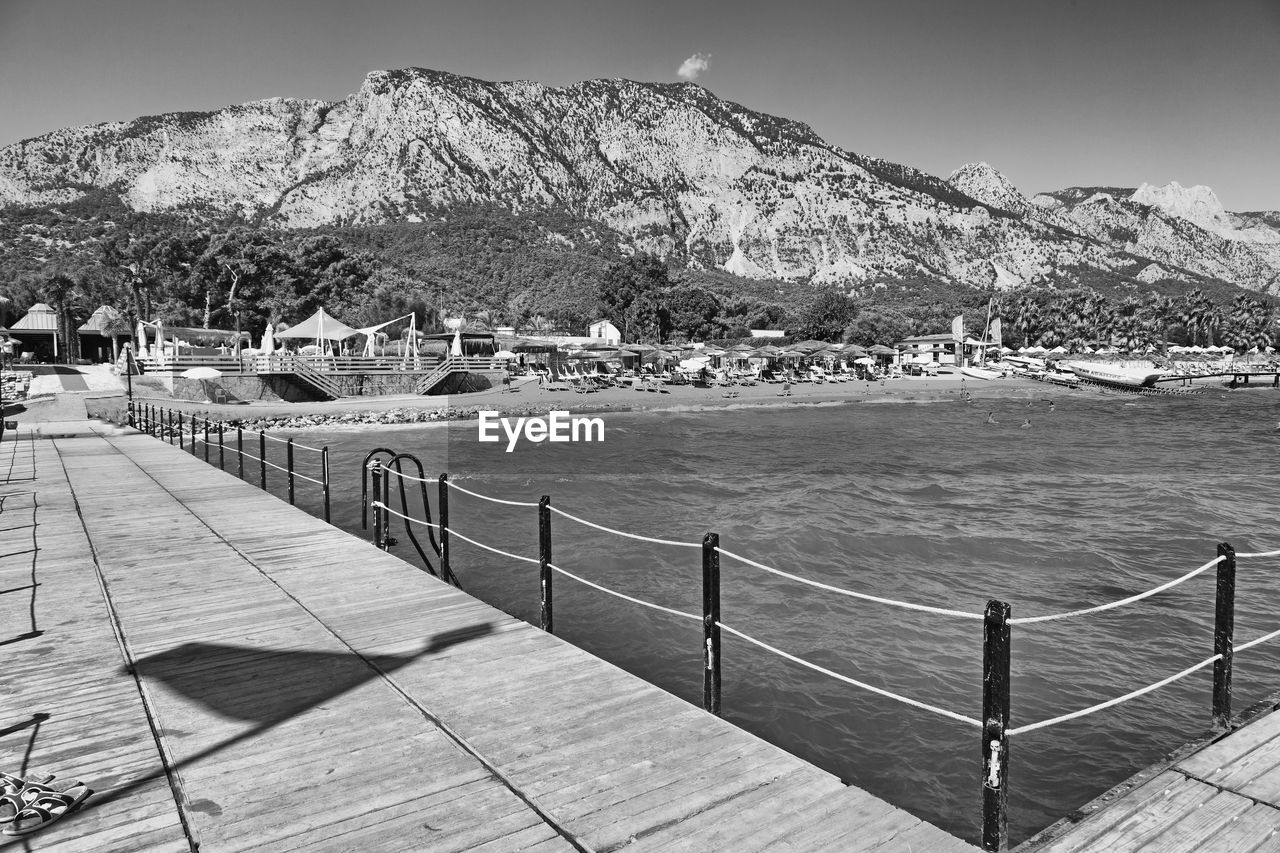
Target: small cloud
694,65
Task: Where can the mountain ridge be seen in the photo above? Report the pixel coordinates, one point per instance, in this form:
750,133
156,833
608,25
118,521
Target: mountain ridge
704,182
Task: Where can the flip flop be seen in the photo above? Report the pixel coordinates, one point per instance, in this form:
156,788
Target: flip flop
46,807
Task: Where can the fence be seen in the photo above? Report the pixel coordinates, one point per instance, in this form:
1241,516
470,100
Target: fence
997,621
191,432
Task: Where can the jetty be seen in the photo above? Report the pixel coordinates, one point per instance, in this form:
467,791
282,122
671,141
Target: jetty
1221,793
227,672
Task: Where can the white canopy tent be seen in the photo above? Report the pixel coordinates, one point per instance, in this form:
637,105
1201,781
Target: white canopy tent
319,327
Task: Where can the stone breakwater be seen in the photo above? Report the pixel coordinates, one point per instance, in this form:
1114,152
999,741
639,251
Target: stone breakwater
340,420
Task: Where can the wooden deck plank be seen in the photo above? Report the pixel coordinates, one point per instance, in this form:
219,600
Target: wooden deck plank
233,606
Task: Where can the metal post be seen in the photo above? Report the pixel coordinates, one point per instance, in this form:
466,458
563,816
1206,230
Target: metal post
544,562
222,448
206,440
375,473
324,478
262,460
995,726
288,455
711,622
240,452
445,569
385,497
181,433
1224,636
128,373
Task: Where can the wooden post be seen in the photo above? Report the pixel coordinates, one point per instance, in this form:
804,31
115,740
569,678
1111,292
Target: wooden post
288,455
324,478
262,460
710,623
445,569
995,726
1224,636
375,473
240,452
544,562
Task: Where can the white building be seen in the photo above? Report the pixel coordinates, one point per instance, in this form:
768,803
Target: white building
604,332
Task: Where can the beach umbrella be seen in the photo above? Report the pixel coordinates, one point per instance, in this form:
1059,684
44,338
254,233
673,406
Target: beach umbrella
201,373
142,339
504,353
455,349
268,340
866,359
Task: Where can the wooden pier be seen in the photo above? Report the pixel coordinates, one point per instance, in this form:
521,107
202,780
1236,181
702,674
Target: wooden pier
1220,794
229,673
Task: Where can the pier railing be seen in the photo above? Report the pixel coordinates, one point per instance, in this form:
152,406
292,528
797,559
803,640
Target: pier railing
993,724
201,435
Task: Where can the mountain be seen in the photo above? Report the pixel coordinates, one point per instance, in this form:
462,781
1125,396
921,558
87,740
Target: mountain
670,167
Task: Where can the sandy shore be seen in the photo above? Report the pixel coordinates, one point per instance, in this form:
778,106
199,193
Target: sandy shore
529,399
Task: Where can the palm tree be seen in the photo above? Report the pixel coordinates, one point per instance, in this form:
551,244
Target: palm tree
63,293
483,320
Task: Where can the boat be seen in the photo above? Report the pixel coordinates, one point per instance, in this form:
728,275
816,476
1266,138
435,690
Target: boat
1117,375
981,372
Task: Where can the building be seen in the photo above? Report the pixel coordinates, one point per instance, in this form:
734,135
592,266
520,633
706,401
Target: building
37,333
602,331
768,333
939,349
101,335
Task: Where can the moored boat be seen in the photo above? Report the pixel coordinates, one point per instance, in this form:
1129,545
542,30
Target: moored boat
981,372
1123,376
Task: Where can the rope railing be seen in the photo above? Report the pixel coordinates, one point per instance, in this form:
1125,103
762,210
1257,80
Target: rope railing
879,691
1111,703
623,533
997,625
451,484
624,596
1029,620
168,424
905,605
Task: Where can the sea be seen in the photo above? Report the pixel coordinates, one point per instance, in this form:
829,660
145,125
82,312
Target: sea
1065,502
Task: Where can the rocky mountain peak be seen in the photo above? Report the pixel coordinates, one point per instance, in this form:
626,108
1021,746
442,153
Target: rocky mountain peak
980,181
1197,204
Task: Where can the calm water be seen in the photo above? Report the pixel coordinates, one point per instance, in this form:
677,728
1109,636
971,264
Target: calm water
1102,498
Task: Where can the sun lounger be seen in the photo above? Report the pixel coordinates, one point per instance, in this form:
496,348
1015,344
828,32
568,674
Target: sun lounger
786,390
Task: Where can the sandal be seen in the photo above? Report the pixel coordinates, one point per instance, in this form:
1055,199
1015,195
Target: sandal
16,792
44,806
10,784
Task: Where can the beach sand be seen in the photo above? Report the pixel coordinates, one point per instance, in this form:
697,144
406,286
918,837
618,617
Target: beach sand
530,399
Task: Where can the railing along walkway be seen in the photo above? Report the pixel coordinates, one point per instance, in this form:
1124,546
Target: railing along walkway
312,691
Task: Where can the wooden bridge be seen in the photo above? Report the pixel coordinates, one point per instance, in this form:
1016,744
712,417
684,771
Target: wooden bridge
229,673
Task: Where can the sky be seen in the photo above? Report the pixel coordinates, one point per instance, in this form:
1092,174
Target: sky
1052,94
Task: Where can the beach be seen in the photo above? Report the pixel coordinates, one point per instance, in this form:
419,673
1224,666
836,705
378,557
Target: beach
528,398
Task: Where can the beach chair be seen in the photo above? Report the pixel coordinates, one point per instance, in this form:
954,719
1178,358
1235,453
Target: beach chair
786,390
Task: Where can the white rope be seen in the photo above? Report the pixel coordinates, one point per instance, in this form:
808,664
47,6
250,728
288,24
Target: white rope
847,680
308,479
1027,620
405,476
1264,638
624,533
454,485
286,441
925,608
624,597
453,532
1261,554
1102,706
381,505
